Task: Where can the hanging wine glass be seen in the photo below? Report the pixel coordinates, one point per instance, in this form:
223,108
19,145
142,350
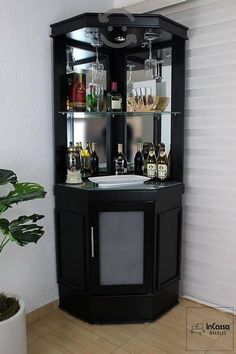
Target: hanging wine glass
130,83
150,64
98,94
97,68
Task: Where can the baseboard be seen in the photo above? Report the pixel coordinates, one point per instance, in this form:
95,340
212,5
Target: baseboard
41,312
218,307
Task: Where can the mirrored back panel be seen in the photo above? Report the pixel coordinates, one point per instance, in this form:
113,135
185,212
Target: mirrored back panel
149,83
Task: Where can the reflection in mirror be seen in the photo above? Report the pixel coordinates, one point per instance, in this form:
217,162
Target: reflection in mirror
138,129
91,130
145,94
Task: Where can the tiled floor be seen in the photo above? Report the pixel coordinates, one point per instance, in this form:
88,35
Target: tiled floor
60,333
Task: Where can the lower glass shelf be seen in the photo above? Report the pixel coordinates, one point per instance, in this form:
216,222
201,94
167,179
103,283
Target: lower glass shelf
94,115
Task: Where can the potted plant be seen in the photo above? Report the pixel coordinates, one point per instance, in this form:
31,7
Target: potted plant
22,231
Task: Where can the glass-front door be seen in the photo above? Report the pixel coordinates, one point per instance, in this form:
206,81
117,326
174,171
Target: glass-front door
121,248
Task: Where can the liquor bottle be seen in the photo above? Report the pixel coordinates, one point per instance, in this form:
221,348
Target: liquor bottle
139,161
162,165
120,162
86,158
151,163
169,164
91,102
146,147
80,93
80,147
73,165
94,161
115,99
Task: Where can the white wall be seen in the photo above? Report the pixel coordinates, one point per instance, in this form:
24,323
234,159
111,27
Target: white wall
26,132
209,240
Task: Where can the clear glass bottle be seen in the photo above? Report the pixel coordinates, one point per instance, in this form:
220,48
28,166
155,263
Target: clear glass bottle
115,99
151,163
139,161
120,162
94,161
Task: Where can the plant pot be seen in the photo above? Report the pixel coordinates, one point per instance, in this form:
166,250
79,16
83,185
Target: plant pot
13,332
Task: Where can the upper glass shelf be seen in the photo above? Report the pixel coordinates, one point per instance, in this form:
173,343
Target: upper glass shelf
79,115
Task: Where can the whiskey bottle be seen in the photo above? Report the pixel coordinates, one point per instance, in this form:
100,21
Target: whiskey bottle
151,163
139,161
120,162
162,165
94,161
115,99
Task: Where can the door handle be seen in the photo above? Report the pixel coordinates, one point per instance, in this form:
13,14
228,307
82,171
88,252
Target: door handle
92,241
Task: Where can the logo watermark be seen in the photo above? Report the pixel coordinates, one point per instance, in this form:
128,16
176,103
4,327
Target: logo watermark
209,329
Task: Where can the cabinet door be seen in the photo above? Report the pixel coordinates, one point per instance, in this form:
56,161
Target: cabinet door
168,247
70,248
121,250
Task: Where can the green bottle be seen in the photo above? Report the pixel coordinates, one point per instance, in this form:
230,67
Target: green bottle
90,100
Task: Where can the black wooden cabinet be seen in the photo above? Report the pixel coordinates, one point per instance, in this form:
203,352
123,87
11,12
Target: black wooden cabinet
119,249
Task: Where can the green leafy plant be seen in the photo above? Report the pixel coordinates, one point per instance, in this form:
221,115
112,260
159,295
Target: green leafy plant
24,229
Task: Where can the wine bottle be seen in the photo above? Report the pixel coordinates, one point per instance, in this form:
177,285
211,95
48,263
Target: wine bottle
139,161
115,99
151,163
94,161
162,165
120,162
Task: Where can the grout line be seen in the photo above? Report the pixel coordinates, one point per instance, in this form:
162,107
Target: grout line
48,334
145,326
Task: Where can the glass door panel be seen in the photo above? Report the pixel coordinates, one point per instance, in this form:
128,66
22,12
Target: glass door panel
121,247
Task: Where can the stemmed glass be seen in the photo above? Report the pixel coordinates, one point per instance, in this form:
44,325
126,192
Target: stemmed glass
130,83
98,94
97,70
150,64
159,74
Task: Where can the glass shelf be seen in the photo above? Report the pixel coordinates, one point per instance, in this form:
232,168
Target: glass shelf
81,115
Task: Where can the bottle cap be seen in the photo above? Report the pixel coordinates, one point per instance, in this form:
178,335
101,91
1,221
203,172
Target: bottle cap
120,148
93,146
114,86
72,149
139,146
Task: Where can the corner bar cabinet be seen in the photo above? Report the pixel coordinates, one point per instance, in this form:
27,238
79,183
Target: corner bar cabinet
119,249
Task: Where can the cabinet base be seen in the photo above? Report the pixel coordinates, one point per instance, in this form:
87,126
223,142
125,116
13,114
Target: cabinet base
118,309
